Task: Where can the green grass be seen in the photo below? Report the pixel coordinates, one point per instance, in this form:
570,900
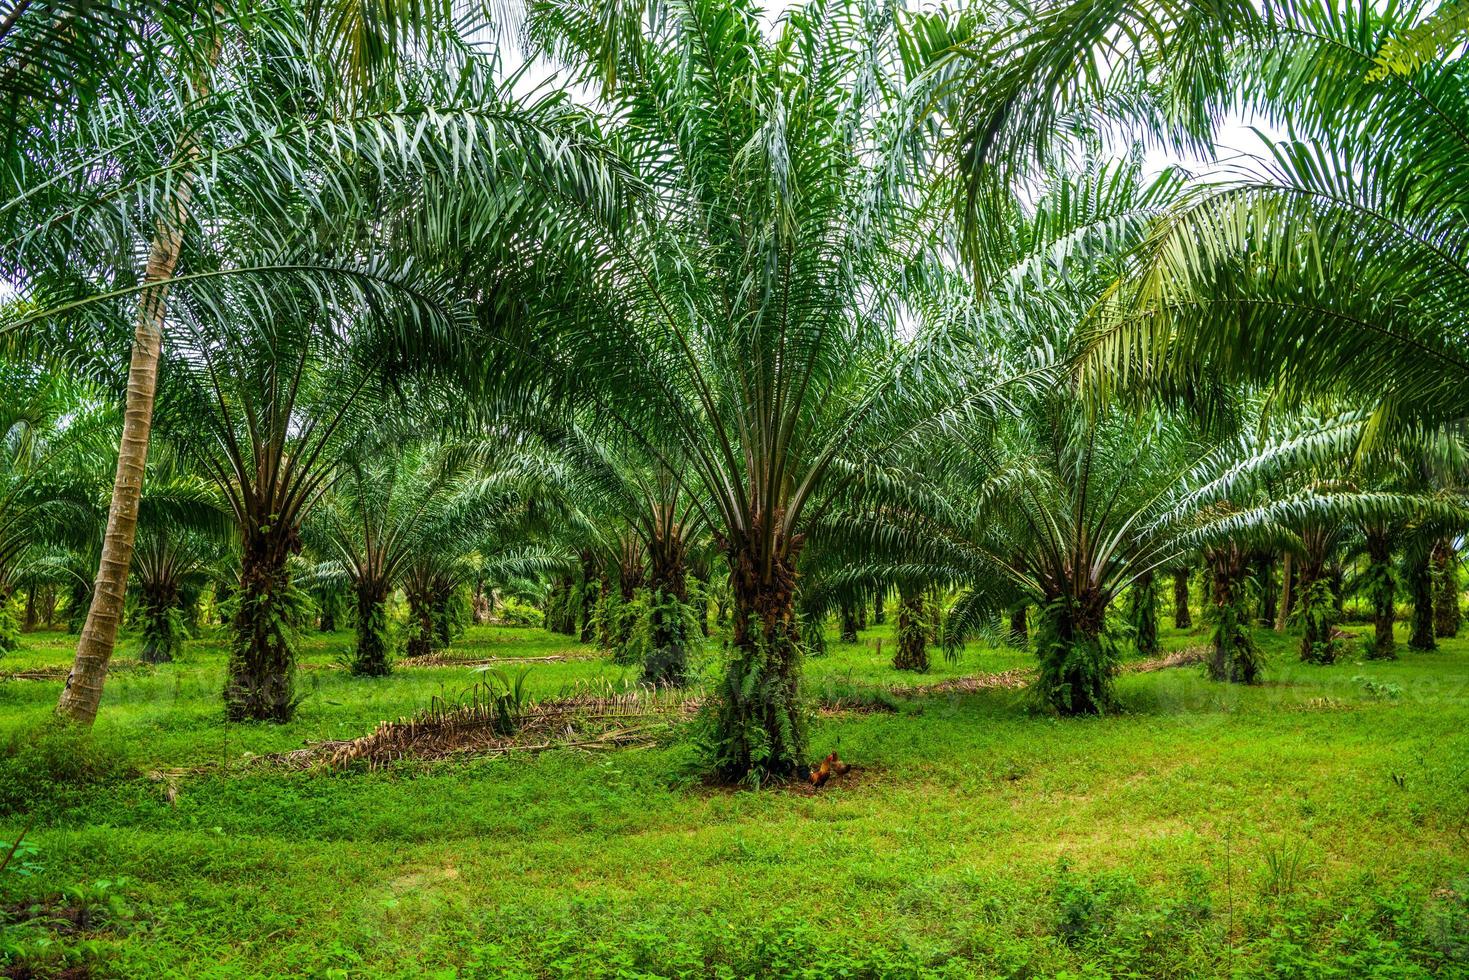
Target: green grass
1311,826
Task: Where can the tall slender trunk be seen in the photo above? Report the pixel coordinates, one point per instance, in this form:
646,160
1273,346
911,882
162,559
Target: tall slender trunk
82,695
760,726
1446,613
913,631
370,657
29,619
1182,619
879,614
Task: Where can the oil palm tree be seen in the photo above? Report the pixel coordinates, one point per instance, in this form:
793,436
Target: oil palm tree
748,321
1248,275
208,123
656,521
388,495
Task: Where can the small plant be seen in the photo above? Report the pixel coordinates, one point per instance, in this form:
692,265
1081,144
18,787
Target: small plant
19,857
1285,867
1377,690
9,624
97,905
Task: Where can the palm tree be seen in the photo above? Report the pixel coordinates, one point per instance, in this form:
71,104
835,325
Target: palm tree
616,483
748,320
1247,276
50,448
268,140
183,531
389,496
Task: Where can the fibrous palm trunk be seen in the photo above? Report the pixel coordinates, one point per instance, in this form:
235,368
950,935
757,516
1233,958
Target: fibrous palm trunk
1265,588
1234,656
1078,659
421,633
760,725
879,614
1420,589
260,676
1182,619
1382,590
849,622
370,656
913,631
161,640
1019,628
1143,614
667,662
1446,613
1287,592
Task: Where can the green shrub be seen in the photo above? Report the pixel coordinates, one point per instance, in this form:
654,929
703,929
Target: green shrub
52,765
513,612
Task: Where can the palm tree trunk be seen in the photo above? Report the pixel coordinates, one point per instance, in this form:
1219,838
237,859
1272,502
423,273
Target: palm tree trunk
667,663
849,623
760,729
160,640
913,632
1446,614
1182,619
260,675
1287,592
1078,659
1143,613
1019,628
879,614
1420,587
1382,590
370,658
82,695
1234,656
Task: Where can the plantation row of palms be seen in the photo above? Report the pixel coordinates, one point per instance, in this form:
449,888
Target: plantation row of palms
789,315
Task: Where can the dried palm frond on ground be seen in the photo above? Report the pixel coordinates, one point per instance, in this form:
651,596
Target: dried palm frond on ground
1178,658
1007,679
494,719
442,660
1019,677
60,671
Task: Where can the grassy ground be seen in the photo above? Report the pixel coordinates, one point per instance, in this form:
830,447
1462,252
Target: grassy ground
1316,825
